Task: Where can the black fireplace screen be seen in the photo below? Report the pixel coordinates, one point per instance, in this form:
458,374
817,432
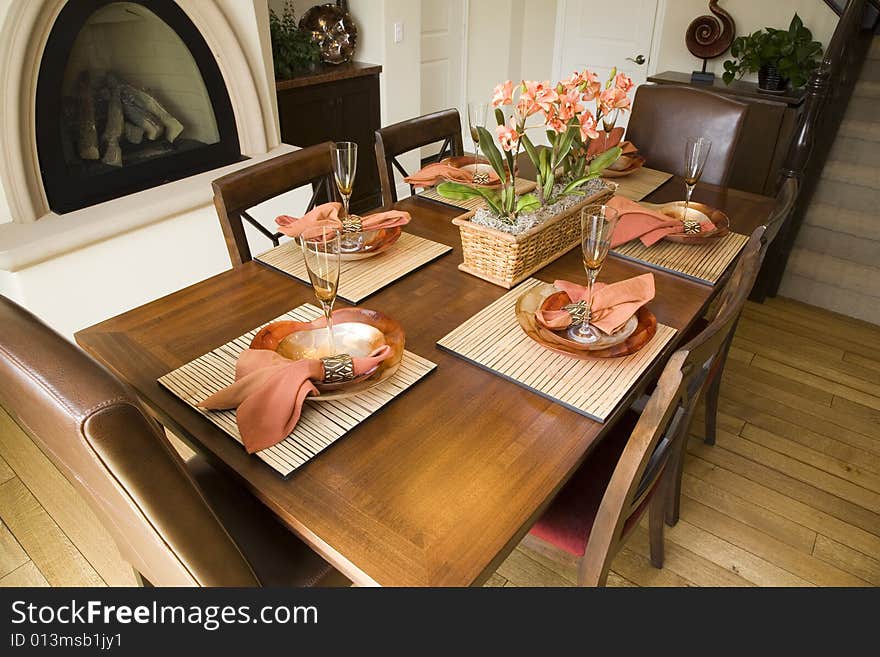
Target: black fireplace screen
129,96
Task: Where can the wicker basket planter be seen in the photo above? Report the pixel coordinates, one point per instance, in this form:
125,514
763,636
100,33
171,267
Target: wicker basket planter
505,259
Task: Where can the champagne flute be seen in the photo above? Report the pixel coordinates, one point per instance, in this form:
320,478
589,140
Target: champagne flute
696,153
597,226
344,156
477,119
320,248
608,121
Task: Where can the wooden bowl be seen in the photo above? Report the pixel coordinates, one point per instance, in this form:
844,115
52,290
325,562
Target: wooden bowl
275,336
675,211
375,242
633,336
632,164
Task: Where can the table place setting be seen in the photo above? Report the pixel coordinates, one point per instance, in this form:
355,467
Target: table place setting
581,346
290,388
374,249
682,237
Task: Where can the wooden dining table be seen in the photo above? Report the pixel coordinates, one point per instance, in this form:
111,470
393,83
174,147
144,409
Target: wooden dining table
438,487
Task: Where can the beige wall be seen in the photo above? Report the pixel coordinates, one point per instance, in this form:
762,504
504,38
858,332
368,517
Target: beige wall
749,16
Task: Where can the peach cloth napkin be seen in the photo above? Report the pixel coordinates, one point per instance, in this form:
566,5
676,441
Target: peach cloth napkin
649,225
600,144
327,214
613,303
269,392
438,172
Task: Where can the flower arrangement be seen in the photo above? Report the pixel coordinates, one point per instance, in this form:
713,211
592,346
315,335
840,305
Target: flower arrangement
564,166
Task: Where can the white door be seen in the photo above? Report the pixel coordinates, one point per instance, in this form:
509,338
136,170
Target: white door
600,36
443,58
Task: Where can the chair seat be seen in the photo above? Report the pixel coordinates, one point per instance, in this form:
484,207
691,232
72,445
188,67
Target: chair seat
568,521
276,555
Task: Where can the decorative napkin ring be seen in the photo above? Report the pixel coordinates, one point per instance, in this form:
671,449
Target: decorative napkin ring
578,311
481,178
691,227
352,224
338,368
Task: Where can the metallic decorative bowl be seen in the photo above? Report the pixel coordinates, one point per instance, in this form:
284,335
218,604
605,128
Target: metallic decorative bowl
333,30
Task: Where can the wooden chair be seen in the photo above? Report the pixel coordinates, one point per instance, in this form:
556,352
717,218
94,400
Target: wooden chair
237,192
630,472
400,138
663,116
712,344
177,523
785,201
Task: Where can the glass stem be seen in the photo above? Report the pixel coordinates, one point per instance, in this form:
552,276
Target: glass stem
689,190
584,329
328,313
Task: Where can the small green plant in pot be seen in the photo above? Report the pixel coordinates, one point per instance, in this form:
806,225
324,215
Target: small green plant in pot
779,57
293,51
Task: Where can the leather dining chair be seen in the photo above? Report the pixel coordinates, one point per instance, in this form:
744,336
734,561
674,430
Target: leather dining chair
663,117
176,523
403,137
237,192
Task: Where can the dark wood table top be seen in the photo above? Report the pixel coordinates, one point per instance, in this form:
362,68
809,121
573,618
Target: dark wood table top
438,487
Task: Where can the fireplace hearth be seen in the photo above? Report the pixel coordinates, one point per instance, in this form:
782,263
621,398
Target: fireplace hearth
129,96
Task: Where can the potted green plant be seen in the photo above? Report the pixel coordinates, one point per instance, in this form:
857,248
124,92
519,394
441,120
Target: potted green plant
779,57
293,51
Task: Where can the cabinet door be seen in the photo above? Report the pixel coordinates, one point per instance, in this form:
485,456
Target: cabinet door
343,110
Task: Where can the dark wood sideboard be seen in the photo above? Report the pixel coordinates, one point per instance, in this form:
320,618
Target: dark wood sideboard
767,131
336,103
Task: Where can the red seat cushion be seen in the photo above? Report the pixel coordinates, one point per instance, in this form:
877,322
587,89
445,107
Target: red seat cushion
568,520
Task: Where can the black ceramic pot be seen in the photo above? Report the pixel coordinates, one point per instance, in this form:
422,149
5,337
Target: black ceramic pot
770,80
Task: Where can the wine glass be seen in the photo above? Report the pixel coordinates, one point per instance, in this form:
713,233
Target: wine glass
344,156
608,121
320,247
476,119
597,226
696,153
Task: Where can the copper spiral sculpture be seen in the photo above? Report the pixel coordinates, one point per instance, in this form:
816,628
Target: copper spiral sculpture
709,36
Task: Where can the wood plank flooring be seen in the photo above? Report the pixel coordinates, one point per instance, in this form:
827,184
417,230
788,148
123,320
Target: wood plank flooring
789,496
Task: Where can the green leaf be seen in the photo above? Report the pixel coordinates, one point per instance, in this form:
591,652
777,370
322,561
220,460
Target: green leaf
457,191
487,144
499,116
727,77
574,184
527,203
605,160
530,150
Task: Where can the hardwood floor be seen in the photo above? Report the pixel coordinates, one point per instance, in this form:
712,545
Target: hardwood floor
789,495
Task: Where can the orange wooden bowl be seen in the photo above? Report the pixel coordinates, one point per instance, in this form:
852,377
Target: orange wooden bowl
272,335
533,300
716,216
636,162
375,242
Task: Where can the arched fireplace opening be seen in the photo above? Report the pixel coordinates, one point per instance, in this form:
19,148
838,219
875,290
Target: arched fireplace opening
129,97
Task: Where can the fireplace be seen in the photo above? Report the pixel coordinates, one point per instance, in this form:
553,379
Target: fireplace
129,96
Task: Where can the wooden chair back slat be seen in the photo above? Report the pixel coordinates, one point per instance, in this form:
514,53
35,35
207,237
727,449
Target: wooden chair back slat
237,192
403,137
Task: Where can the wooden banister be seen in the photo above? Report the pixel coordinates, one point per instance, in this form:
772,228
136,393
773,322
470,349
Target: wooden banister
828,93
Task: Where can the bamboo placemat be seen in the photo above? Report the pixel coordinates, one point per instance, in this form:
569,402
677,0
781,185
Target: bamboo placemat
638,185
704,263
494,340
358,279
523,186
321,423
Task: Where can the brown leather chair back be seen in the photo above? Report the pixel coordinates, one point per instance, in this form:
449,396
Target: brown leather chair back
96,432
664,116
400,138
239,191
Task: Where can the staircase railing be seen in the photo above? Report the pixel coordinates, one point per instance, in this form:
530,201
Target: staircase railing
827,96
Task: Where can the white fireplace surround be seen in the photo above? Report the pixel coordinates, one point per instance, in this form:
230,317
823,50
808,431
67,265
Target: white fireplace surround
80,267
